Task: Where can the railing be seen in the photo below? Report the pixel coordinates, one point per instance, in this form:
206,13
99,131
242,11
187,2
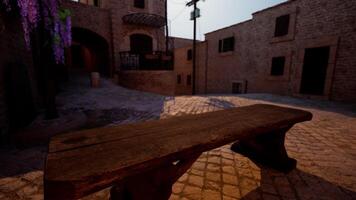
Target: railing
156,60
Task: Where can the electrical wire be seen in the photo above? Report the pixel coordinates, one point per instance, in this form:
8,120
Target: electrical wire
179,14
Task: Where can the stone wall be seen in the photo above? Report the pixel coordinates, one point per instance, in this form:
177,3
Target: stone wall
312,24
121,32
107,22
175,42
160,82
91,18
183,69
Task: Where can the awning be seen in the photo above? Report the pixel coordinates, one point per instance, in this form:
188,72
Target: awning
145,19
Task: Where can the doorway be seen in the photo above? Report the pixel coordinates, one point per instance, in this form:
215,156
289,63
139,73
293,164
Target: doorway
140,43
89,53
314,70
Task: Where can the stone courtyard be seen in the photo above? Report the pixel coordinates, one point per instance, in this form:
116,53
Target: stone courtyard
325,149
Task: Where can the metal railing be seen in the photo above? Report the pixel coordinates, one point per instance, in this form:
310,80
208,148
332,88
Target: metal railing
157,60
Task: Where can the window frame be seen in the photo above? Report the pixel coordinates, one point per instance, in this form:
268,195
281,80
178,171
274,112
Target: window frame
189,79
189,54
179,79
276,64
282,25
96,3
227,44
139,4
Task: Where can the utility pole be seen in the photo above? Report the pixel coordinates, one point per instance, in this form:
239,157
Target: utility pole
194,15
167,36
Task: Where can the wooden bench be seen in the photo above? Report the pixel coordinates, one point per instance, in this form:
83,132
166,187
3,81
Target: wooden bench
143,160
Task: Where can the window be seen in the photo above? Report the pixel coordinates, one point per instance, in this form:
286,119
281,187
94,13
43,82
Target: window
179,79
278,66
139,3
189,79
189,54
282,26
226,44
96,3
236,88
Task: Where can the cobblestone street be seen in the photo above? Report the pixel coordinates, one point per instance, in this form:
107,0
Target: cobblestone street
325,149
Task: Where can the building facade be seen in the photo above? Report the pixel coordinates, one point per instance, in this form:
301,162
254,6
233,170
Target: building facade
301,48
183,67
112,37
120,33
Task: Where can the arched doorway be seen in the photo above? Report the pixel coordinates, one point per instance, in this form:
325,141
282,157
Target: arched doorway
89,52
140,43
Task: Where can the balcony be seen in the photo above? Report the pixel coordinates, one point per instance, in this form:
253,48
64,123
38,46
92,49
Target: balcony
145,19
156,60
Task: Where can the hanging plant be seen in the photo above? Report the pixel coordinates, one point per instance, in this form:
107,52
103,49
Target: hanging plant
57,21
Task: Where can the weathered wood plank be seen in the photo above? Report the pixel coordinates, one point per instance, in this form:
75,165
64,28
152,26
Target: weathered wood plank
88,161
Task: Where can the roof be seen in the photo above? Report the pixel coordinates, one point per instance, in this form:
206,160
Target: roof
243,22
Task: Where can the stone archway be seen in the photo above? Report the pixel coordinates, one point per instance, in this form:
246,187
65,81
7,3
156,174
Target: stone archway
89,52
126,43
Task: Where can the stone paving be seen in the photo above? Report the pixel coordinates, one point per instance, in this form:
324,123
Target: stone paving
325,149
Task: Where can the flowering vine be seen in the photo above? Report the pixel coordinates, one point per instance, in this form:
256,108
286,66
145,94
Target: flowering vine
57,22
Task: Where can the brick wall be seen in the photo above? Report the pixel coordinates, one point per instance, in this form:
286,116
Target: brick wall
107,22
312,24
175,42
90,17
160,82
121,32
182,68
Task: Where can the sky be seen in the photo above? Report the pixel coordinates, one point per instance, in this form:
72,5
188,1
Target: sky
215,14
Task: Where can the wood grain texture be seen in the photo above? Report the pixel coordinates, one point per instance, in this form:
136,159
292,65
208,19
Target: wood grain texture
83,162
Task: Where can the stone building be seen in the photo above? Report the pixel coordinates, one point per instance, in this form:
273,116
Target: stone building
177,42
301,48
121,31
183,65
124,39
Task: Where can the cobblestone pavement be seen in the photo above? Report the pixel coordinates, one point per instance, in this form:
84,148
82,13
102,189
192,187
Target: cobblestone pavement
325,149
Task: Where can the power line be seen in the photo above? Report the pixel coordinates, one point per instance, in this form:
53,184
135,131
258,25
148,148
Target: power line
179,3
179,14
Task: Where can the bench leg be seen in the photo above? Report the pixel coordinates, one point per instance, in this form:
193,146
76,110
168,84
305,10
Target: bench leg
267,149
152,185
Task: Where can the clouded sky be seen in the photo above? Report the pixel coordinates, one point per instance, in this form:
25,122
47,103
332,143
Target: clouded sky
215,14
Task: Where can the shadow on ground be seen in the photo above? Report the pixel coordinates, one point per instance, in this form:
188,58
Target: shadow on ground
329,106
297,184
219,103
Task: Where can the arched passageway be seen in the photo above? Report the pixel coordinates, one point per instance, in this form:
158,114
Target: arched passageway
89,52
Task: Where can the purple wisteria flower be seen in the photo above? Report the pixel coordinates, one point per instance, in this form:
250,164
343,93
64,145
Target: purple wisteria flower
57,22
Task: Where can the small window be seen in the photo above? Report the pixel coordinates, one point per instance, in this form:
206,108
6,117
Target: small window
227,44
96,3
189,54
139,3
236,88
179,79
189,79
282,26
278,66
